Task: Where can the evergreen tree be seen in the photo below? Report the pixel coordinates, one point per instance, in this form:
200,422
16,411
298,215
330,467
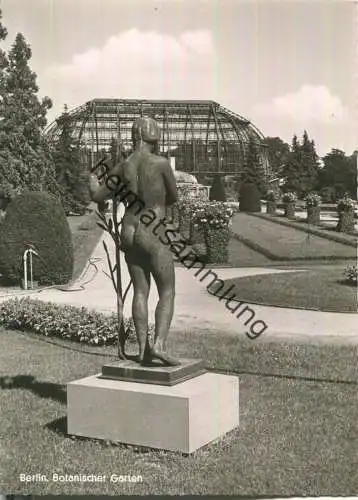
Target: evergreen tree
25,163
310,166
253,172
292,169
217,190
71,172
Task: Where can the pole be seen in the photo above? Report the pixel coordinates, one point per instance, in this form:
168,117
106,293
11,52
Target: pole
25,269
32,282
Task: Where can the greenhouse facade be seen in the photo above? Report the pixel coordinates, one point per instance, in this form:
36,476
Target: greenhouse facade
200,137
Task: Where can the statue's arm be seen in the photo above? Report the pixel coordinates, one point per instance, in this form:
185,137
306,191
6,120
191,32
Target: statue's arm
170,184
108,188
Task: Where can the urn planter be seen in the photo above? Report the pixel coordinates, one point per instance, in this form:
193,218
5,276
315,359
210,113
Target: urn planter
313,215
289,208
345,221
271,207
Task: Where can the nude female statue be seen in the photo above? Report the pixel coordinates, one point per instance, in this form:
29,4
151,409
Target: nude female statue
150,177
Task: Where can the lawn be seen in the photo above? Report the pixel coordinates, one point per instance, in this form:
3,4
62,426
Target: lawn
318,289
323,229
298,407
85,237
279,242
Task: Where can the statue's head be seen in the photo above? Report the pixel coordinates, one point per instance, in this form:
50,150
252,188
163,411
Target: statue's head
145,129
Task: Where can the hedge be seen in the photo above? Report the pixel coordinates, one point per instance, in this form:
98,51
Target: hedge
36,218
78,324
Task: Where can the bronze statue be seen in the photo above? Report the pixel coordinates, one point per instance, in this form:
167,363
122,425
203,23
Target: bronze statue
150,177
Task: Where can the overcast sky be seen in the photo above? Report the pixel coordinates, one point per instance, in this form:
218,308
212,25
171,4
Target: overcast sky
286,66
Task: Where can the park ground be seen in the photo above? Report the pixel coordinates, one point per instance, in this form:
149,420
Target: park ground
298,394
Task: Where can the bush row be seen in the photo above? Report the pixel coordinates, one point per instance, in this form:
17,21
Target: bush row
78,324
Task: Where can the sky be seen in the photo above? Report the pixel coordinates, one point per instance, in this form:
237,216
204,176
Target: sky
286,66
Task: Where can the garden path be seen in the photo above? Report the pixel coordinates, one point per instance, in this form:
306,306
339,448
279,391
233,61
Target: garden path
196,309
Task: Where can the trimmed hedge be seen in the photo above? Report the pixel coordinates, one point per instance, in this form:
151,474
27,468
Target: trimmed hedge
36,218
217,190
78,324
250,198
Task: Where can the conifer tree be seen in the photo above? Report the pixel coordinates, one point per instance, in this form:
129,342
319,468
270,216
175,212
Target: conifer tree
25,162
71,171
292,169
253,172
310,166
217,190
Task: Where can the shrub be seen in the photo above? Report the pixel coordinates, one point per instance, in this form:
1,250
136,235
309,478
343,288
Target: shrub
351,274
78,324
215,219
289,197
271,195
37,219
250,198
215,215
313,200
345,204
217,190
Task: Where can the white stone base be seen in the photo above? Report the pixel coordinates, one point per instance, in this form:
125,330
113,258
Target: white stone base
183,417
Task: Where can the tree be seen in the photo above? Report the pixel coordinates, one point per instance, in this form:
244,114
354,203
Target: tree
71,171
278,152
217,190
292,169
338,175
253,171
25,162
301,170
310,166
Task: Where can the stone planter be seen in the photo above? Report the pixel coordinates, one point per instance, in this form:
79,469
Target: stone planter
217,243
345,222
289,208
271,207
313,215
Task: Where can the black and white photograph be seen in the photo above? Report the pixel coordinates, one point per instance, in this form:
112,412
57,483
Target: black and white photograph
178,248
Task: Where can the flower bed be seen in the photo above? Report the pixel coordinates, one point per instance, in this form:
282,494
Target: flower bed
351,274
78,324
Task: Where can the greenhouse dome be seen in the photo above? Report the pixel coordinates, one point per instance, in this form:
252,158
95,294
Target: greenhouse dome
200,137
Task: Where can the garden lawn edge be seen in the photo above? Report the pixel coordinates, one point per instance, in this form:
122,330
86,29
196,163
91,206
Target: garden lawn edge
317,231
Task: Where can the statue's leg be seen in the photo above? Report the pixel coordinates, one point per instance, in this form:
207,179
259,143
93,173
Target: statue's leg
162,268
140,275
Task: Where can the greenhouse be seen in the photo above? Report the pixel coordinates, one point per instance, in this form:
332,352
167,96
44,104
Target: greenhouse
200,137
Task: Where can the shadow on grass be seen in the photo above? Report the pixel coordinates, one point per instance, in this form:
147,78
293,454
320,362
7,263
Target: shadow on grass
58,426
48,390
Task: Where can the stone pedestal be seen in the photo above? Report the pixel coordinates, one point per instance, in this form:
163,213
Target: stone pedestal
181,417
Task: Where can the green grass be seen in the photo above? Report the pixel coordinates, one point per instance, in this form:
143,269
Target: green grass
323,229
296,434
279,242
319,289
